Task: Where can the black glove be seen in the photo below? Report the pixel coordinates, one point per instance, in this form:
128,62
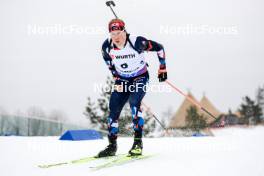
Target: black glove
162,75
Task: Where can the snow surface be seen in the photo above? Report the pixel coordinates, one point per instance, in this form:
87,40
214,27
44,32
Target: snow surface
233,151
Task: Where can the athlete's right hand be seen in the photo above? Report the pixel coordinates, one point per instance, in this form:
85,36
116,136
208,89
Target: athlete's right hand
115,75
116,78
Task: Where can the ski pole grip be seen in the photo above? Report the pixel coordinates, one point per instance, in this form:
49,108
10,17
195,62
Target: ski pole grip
109,3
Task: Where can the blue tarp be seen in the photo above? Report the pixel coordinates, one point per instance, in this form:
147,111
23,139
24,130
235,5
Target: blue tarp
76,135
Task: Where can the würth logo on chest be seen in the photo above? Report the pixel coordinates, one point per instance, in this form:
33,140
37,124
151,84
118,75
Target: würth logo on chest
127,56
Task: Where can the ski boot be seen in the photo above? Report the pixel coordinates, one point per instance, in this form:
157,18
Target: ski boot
110,150
136,148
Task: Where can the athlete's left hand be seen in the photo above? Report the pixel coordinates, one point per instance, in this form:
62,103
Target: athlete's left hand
162,74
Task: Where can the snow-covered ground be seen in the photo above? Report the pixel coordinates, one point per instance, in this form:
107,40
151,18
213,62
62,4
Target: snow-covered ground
232,152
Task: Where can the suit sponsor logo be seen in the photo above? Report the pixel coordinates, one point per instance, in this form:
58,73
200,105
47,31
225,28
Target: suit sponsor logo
127,56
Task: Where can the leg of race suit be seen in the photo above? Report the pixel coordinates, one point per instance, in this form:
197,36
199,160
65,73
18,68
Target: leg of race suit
116,104
135,99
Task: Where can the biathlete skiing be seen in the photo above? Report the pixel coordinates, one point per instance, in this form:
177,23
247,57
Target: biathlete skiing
124,56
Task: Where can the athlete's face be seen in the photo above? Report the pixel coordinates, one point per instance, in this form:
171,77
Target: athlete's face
118,37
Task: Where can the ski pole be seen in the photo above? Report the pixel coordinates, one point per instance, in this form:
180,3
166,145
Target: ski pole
109,3
190,99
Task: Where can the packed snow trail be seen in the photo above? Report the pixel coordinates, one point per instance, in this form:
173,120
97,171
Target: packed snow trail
233,151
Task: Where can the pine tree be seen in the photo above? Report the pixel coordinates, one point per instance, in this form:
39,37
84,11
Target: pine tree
103,103
195,121
91,112
98,112
249,109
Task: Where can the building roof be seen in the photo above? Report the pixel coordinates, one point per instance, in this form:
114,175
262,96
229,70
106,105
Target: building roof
179,118
209,107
